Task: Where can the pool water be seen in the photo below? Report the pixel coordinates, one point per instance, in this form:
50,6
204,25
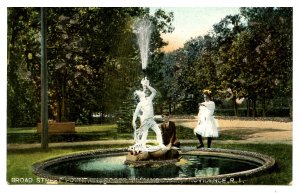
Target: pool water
114,167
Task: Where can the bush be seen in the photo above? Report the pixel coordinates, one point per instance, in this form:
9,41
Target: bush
124,117
242,112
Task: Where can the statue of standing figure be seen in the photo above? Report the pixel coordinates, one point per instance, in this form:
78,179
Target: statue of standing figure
144,110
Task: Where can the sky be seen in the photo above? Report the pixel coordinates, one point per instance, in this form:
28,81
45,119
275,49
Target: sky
190,22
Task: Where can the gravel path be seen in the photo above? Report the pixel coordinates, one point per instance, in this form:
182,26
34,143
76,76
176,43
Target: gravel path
262,131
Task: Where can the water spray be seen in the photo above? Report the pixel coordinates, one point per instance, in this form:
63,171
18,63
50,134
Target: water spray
142,29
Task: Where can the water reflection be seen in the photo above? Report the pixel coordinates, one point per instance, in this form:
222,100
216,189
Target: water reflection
114,167
198,166
171,171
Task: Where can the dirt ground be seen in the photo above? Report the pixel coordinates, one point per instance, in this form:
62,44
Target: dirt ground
257,131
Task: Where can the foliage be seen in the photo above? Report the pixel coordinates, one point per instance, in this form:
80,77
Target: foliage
247,57
272,50
92,61
124,116
22,67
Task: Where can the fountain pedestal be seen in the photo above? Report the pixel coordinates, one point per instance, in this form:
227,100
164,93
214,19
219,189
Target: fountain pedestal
161,154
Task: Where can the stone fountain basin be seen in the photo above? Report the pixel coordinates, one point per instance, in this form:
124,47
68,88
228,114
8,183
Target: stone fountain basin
262,161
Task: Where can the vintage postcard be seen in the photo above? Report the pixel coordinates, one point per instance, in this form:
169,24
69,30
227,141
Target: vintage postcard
149,95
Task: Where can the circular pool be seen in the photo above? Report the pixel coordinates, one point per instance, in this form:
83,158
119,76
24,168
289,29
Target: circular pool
195,166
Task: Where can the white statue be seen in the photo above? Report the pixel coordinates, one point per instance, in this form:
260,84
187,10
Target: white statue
144,110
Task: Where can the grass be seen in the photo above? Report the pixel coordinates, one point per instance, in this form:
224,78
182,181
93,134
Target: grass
22,130
101,132
96,128
19,162
78,129
281,173
83,133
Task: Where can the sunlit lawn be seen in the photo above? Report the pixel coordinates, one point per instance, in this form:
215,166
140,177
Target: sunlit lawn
96,128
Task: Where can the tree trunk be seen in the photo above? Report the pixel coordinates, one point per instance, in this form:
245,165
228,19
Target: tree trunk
264,106
290,101
248,107
58,110
61,100
44,81
235,107
174,105
253,107
64,109
91,118
63,104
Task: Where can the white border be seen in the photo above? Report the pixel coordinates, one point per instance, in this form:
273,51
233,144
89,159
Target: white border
149,3
145,3
3,102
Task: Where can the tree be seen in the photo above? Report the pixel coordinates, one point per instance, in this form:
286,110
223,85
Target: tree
228,70
92,61
248,54
271,31
23,67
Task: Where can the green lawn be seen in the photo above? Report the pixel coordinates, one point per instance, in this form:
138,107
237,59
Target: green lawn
79,129
83,133
281,174
22,130
101,132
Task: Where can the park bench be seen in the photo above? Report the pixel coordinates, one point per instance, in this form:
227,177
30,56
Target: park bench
58,127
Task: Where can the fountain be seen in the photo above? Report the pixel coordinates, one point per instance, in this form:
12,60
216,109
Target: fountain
195,167
144,110
142,29
159,164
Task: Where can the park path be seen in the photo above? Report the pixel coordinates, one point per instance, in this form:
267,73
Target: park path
259,131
